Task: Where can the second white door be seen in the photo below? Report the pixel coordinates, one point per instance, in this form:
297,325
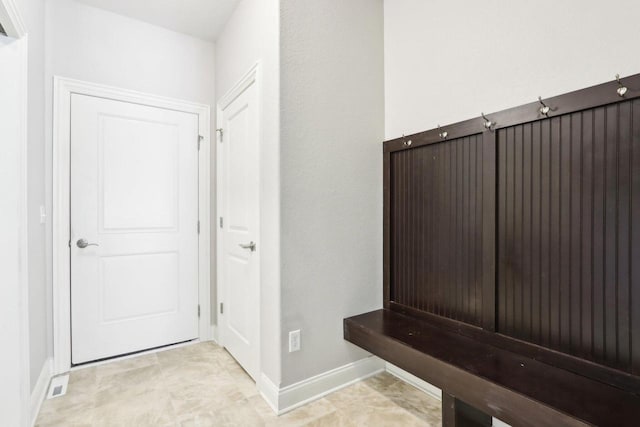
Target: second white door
134,227
238,186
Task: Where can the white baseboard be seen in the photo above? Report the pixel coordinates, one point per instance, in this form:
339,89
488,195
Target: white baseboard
287,398
269,392
40,390
497,423
428,388
414,381
214,334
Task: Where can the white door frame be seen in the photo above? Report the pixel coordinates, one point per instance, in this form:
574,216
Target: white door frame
251,77
63,88
11,19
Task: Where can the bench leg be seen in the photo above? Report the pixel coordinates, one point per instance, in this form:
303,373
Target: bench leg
456,413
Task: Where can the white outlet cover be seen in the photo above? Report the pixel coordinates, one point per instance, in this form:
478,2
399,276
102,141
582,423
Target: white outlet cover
294,341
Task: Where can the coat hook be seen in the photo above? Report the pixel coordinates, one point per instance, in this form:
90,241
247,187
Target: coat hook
622,89
405,142
488,124
443,133
544,109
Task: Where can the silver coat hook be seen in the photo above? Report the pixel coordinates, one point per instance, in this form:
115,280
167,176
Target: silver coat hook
622,89
443,134
488,124
405,142
544,109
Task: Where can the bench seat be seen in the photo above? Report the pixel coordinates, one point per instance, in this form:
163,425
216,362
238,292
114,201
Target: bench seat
512,387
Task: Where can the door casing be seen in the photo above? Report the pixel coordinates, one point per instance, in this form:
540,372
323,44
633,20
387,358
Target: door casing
251,77
63,88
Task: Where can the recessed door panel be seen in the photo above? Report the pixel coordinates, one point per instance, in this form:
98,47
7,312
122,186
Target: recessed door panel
139,190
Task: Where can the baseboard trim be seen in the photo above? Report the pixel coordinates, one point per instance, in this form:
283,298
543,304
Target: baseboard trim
214,334
424,386
414,381
40,390
269,392
285,399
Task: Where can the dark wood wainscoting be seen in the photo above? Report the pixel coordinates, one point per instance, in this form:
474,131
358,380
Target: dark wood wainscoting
568,187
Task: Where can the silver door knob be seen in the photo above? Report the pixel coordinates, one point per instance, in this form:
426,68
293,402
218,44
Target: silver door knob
250,245
82,243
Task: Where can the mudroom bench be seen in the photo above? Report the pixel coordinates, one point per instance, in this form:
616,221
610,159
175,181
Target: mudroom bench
508,385
512,262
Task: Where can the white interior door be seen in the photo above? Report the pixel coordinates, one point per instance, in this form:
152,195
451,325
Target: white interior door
238,149
134,201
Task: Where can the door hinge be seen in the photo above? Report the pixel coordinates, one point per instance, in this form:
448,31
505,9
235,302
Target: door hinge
198,226
221,222
200,139
221,132
69,243
221,308
198,310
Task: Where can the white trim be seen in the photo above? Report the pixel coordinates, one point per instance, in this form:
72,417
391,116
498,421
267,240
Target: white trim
498,423
214,334
40,389
244,82
253,76
62,90
430,389
269,391
411,379
23,247
11,19
286,399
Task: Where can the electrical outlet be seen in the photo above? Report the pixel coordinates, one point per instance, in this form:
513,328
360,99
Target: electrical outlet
294,341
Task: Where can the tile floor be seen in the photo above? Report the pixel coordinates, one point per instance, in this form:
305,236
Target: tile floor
201,385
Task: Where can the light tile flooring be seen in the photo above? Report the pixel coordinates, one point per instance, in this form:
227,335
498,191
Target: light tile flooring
201,385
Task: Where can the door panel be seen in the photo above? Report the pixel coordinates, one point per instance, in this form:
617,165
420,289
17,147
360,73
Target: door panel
239,186
134,193
132,200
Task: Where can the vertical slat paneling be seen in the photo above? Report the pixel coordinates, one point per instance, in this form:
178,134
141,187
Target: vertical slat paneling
598,233
586,234
535,226
569,244
527,247
545,232
634,300
488,173
575,238
554,235
503,271
436,232
610,232
624,230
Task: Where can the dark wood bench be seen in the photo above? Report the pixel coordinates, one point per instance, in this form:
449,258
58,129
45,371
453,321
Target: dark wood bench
513,387
511,254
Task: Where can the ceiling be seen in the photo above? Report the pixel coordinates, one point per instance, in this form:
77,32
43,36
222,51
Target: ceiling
199,18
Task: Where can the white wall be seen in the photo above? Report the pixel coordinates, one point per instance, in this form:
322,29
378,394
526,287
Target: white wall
98,46
90,44
447,61
14,357
250,36
33,14
332,127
